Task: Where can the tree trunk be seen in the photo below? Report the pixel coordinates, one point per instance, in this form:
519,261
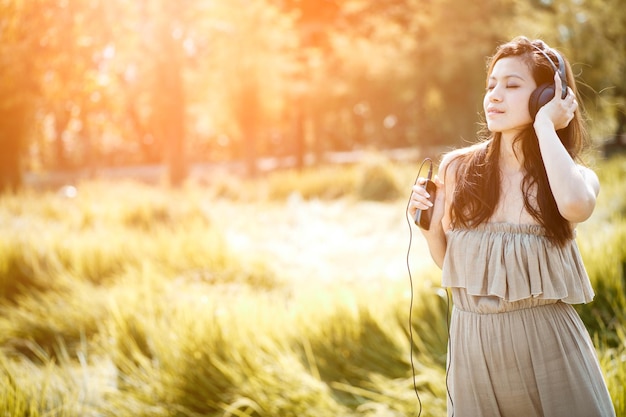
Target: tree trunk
169,93
175,127
12,130
247,109
299,134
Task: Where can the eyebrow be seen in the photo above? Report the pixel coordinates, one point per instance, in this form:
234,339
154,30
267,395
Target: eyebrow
491,77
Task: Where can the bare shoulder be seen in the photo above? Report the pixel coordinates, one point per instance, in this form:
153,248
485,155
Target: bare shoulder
591,178
452,160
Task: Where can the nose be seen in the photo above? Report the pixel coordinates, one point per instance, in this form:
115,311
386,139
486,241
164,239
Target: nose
494,95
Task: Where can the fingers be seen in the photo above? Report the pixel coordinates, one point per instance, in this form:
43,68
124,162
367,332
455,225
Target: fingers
420,198
574,103
438,182
564,109
570,98
558,87
569,105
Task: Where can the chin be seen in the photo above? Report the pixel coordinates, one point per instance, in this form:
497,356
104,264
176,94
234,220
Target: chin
493,128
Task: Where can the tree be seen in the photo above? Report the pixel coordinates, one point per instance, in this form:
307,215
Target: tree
168,94
76,46
314,21
248,73
418,66
17,87
116,82
592,34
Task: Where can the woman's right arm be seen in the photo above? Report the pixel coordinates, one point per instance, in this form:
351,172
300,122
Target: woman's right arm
440,221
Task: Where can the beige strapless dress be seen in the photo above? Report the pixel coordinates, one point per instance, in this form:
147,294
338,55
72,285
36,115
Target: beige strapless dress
517,347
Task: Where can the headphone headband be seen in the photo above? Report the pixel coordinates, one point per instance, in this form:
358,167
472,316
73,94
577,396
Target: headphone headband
560,69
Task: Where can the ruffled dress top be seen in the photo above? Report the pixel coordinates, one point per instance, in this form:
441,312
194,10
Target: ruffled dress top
517,347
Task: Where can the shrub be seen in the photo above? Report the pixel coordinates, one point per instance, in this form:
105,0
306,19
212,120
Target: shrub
377,181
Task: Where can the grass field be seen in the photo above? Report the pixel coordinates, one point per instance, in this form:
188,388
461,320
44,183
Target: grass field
287,296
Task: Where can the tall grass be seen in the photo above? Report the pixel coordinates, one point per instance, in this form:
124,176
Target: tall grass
602,241
127,300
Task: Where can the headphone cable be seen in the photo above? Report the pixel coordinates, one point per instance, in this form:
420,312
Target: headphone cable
408,265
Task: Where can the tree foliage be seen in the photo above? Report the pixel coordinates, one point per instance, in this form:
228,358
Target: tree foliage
92,83
592,33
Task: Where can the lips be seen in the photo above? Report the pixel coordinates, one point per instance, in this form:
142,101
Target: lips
493,111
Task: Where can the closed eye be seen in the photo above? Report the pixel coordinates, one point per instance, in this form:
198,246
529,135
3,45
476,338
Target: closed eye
491,87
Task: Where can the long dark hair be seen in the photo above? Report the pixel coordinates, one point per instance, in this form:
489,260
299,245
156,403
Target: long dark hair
477,189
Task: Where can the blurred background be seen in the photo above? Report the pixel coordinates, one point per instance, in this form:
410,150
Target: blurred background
89,86
266,273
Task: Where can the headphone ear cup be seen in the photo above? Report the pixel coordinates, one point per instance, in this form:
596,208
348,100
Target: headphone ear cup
540,97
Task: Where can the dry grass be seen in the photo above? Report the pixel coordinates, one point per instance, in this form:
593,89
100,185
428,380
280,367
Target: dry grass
128,300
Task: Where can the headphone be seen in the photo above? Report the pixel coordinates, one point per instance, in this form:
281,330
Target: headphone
545,92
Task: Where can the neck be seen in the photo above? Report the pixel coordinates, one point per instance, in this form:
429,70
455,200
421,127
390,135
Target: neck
511,157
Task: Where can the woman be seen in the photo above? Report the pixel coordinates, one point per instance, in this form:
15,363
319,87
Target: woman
503,226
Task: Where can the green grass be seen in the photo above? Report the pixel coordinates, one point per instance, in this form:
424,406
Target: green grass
129,300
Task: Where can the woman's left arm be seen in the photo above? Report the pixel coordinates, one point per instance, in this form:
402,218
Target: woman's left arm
574,187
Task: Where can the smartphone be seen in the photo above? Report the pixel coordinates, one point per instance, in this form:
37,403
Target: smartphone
423,217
